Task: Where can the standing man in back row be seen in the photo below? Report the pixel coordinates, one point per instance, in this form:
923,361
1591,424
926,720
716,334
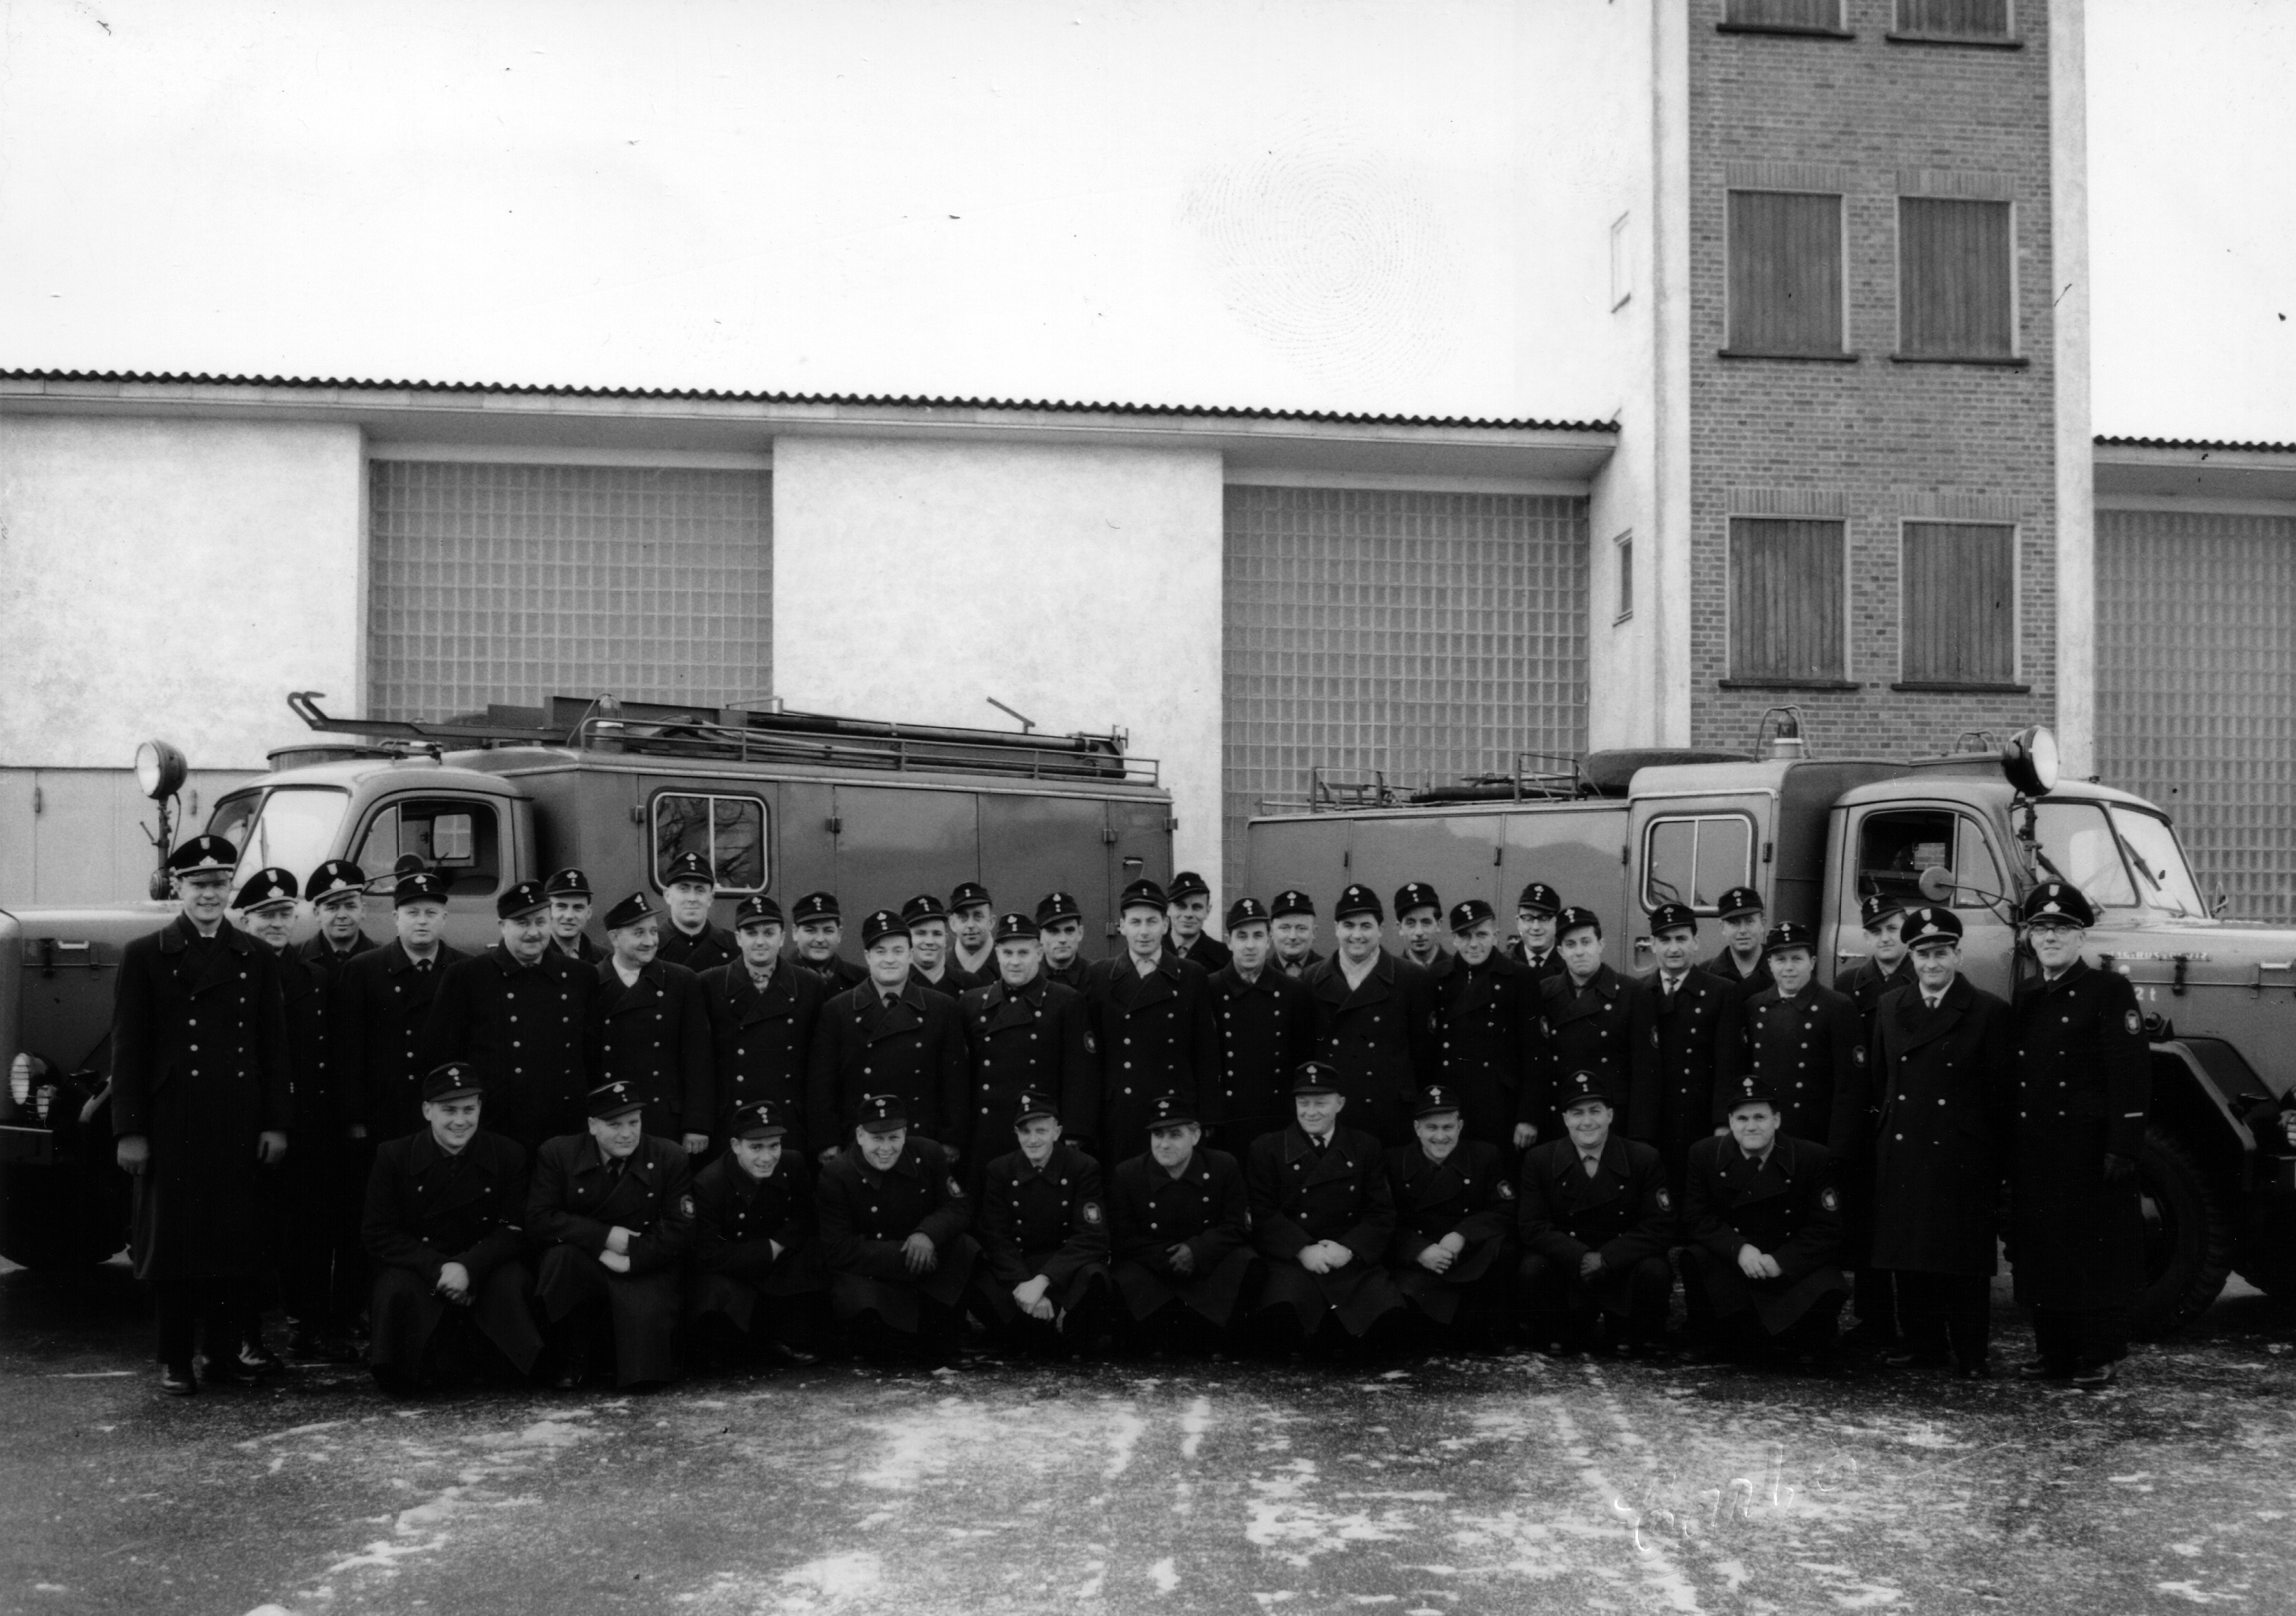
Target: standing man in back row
519,1015
386,1002
1536,909
1153,1017
1742,963
649,1030
971,922
570,895
1060,923
1291,926
890,1036
1192,907
1375,1022
691,939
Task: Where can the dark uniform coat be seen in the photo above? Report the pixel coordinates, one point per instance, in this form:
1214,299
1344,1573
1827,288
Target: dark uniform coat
576,1200
1206,1208
585,951
697,951
2084,1084
1609,1027
1295,968
1693,1060
316,1111
1866,983
1785,1206
426,1208
1267,1027
1073,974
387,999
1299,1197
1724,968
1466,1194
837,974
526,1028
867,1215
914,1048
955,981
654,1034
1051,1220
1547,964
1807,1046
1622,1209
1383,1036
1207,951
1487,1041
199,1068
1036,1039
737,1222
762,1042
1158,1035
1940,1093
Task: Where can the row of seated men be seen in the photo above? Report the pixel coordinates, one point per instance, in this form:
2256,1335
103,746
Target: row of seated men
612,1254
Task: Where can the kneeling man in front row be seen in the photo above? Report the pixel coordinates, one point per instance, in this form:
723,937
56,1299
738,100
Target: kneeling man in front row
1454,1252
614,1211
893,1222
444,1207
1042,1285
758,1290
1596,1222
1182,1230
1323,1218
1764,1272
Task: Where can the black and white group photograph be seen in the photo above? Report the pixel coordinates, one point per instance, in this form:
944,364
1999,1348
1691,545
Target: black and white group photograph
1388,807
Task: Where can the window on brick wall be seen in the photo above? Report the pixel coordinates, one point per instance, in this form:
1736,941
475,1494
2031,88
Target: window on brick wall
1785,273
1624,545
1958,610
1979,20
1785,16
1786,599
1956,279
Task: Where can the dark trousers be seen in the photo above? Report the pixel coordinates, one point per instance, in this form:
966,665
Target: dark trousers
182,1306
1082,1314
1874,1298
1560,1306
1816,1331
2088,1338
939,1331
1178,1329
1277,1331
1946,1313
322,1263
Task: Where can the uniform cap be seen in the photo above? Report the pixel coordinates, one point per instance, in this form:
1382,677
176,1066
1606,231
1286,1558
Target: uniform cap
1187,883
1057,905
1034,1105
1247,912
760,1119
203,853
1143,895
756,907
615,1099
335,878
881,924
569,882
1315,1077
1575,919
1015,928
1539,899
1739,901
1754,1089
1928,925
1580,1086
1878,907
452,1081
2057,903
924,906
815,905
1470,913
266,889
883,1113
1789,934
419,886
1291,900
1416,894
1168,1110
524,899
969,895
631,910
1666,917
1434,1100
1357,899
689,866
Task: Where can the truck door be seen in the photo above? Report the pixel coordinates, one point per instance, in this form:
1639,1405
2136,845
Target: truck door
1891,846
1457,854
893,844
1139,843
471,841
1309,851
1030,846
1579,849
1691,852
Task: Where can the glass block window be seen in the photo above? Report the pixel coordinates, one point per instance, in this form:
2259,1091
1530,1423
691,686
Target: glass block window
515,583
2196,690
1425,635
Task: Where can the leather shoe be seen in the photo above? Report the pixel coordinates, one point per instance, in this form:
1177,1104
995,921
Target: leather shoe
176,1379
258,1360
573,1369
2095,1377
2044,1369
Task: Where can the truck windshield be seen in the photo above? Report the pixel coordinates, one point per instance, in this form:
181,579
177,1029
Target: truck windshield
2118,857
292,827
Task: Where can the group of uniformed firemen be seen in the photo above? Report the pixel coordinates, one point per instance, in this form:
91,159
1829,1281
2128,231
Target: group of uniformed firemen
694,1147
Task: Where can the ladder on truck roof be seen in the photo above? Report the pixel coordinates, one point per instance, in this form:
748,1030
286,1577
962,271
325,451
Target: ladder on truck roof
604,725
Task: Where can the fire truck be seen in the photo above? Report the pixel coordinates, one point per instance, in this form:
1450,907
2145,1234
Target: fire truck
1975,827
774,801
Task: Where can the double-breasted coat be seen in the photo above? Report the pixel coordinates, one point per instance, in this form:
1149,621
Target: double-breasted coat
2084,1084
1300,1195
1051,1220
1467,1193
1158,1035
526,1028
1204,1207
426,1208
1786,1206
1608,1027
317,1111
1940,1096
1036,1038
1746,983
1809,1049
577,1198
201,1070
1623,1209
867,1215
912,1046
1692,1060
387,996
1488,1044
1267,1027
699,951
1208,951
654,1034
761,1039
1866,983
1382,1034
738,1220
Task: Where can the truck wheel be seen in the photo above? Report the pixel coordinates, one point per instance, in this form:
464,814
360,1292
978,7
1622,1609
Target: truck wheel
2188,1237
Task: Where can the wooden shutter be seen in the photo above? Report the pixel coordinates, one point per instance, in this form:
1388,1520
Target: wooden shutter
1821,14
1785,273
1785,598
1954,18
1960,611
1954,279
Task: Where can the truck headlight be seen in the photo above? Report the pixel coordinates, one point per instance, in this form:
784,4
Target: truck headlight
160,770
2030,759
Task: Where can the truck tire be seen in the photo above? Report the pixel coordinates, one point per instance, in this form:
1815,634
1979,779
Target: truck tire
2189,1232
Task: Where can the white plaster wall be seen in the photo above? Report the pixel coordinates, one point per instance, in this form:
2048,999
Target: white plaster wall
173,579
1080,586
2076,513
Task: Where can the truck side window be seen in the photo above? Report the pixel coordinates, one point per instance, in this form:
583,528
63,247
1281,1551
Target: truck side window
728,831
1894,847
1695,859
458,837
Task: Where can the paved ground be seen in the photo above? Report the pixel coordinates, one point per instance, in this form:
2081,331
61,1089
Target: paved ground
1442,1488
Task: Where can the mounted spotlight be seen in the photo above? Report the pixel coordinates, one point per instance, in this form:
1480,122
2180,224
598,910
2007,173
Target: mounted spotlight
160,770
2029,761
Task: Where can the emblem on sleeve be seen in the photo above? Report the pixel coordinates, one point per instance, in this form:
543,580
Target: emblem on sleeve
1090,1212
1831,1201
2135,1022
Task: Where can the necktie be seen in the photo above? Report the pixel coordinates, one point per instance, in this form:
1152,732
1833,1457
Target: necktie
1593,1164
1932,1002
1319,1141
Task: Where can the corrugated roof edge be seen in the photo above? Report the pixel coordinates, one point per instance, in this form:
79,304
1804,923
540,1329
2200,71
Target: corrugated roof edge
2105,442
882,400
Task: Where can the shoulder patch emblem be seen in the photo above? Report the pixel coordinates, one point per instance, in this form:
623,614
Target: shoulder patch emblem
1665,1200
2135,1022
956,1190
1090,1212
1831,1201
686,1206
1506,1190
